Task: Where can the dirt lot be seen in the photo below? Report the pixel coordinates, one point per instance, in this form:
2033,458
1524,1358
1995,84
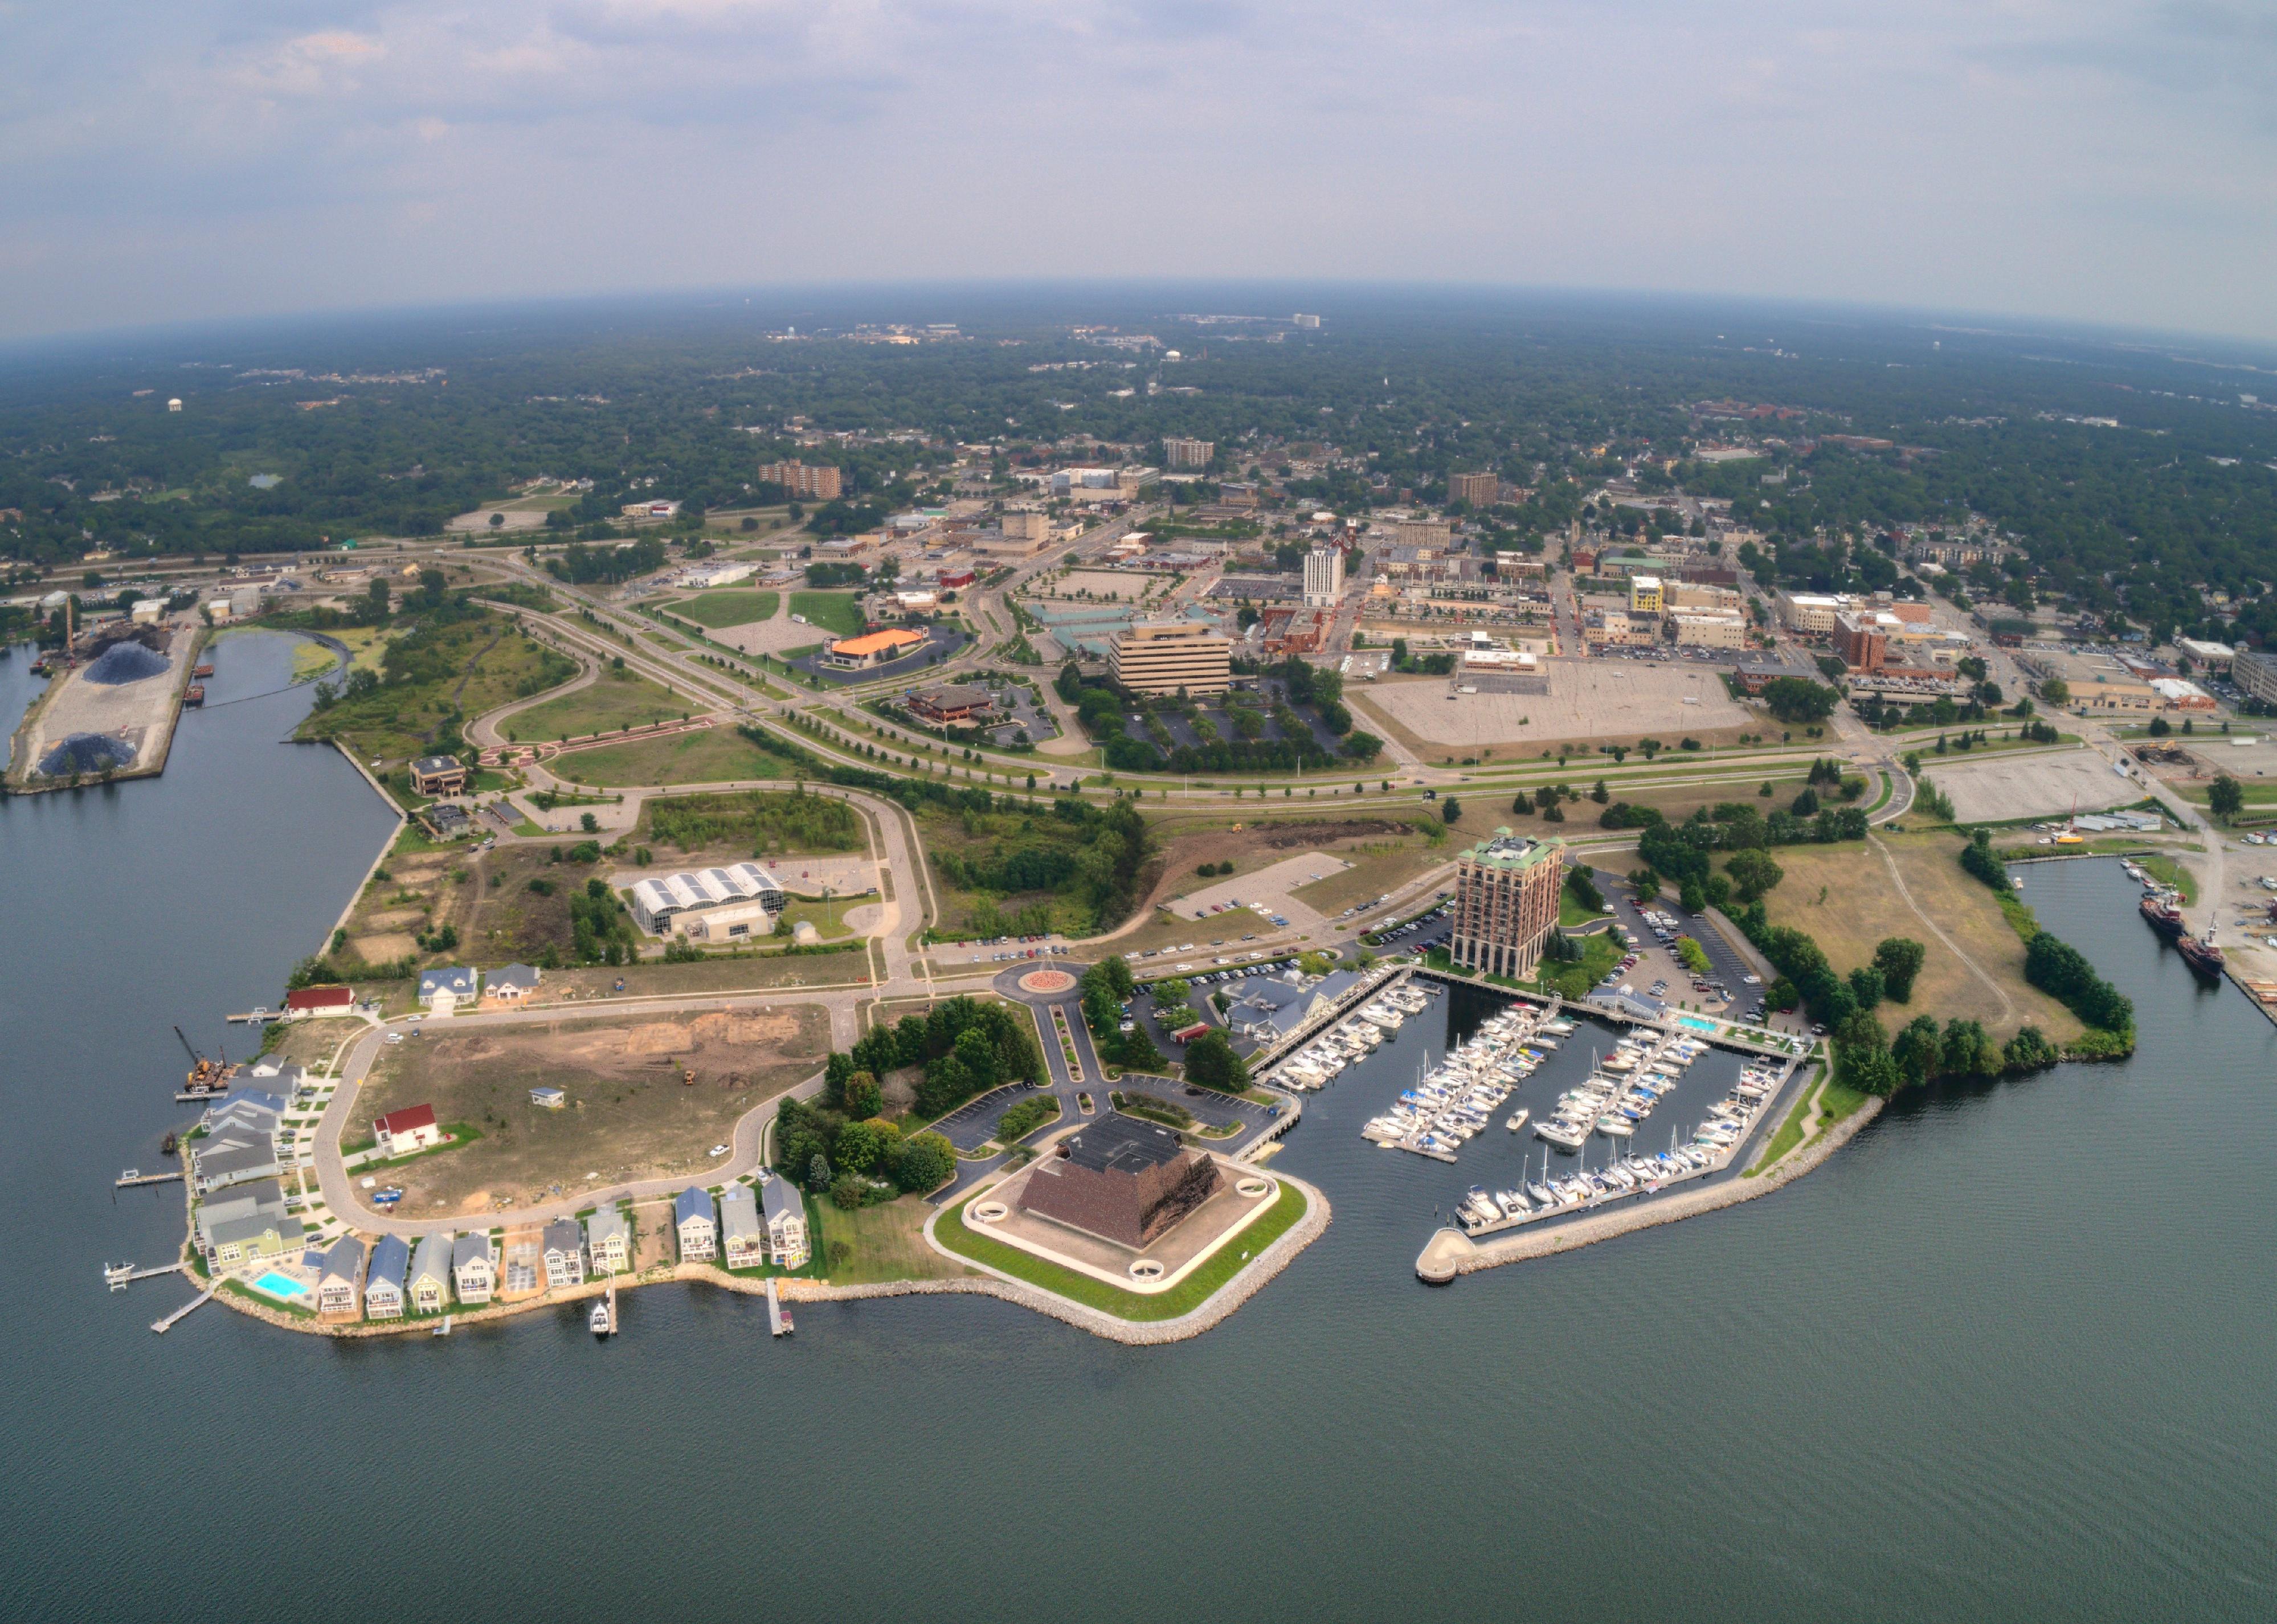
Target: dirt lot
1601,701
1994,790
629,1116
1845,899
1251,845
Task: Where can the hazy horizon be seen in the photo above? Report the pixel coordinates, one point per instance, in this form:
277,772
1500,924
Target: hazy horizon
2104,163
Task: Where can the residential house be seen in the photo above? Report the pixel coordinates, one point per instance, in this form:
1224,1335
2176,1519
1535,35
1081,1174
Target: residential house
429,1285
250,1238
549,1098
437,775
444,990
565,1254
265,1197
786,1219
698,1228
339,1286
216,1165
743,1239
400,1133
474,1271
514,984
319,1002
384,1288
609,1242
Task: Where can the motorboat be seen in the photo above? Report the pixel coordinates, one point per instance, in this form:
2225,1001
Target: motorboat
1517,1122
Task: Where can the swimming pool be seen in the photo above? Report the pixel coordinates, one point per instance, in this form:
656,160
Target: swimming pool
1696,1024
282,1286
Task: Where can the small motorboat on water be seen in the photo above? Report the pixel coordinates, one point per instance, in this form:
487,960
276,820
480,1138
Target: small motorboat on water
1517,1122
598,1319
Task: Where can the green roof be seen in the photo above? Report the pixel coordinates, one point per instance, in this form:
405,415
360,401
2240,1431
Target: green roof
1509,850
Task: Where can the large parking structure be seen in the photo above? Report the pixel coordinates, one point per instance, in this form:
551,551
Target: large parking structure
1590,699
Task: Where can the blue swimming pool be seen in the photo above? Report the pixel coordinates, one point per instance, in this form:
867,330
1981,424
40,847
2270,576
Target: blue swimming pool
1696,1024
282,1286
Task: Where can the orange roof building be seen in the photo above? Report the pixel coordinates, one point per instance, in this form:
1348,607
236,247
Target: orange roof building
875,648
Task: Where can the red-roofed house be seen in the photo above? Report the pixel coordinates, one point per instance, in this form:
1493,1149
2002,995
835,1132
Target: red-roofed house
311,1002
401,1133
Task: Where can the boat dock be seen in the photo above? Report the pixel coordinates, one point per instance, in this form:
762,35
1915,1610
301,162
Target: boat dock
163,1326
778,1316
118,1277
134,1177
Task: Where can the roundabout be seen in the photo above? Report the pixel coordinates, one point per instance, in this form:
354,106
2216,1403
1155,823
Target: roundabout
1047,983
1040,983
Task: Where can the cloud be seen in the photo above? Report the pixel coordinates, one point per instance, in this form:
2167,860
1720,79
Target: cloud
2094,159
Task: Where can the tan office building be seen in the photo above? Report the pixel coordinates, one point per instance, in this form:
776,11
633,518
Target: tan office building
1185,455
1505,906
1479,490
1163,658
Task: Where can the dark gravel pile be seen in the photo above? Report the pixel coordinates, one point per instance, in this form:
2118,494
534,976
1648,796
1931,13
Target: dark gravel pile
88,752
125,662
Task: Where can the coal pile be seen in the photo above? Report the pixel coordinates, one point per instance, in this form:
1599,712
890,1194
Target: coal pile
88,752
125,662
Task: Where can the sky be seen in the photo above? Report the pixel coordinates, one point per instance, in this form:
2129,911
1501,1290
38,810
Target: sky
2110,161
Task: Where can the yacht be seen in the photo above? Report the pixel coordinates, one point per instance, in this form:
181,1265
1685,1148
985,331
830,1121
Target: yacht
1517,1122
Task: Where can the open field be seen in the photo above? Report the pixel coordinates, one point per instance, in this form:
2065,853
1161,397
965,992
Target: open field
838,918
1372,873
831,612
731,606
2030,786
714,755
1843,897
1251,843
630,1117
1163,933
616,700
1595,700
880,1243
1271,890
474,665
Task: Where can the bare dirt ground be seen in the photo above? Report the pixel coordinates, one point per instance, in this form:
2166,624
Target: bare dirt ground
1252,845
1599,700
630,1116
1843,897
2001,787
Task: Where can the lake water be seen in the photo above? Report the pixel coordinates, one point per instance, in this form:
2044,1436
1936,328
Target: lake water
2007,1357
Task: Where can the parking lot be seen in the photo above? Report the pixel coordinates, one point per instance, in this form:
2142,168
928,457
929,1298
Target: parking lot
973,1124
1268,891
1656,964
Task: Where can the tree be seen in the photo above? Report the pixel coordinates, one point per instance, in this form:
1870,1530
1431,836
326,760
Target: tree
1898,958
1692,897
1692,955
1070,683
1522,802
1798,699
2055,690
1211,1062
859,1146
2225,797
1806,804
927,1160
862,1097
1449,809
1753,874
1645,883
1866,986
818,1173
1917,1049
1601,795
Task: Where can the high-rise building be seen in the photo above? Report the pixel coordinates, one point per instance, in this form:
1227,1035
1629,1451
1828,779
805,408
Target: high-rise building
1479,490
1506,893
1645,596
819,481
1162,657
1188,455
1302,320
1324,577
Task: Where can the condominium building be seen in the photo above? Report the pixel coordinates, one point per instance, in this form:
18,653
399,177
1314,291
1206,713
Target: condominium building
819,481
1324,577
2255,672
1430,533
1188,455
1506,892
1164,657
1479,490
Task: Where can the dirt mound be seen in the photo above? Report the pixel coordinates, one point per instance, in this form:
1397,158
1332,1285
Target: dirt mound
126,663
1297,836
87,753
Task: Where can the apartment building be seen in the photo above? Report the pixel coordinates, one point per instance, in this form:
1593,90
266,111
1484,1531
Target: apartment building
1165,656
1188,456
1506,892
1324,577
1479,490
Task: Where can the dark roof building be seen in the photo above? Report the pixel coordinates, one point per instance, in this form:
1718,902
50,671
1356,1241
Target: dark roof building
1122,1180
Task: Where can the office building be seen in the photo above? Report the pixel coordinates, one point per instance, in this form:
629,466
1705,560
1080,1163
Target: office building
1302,320
1161,658
1645,596
1324,577
819,481
1189,456
1506,893
2255,673
1479,490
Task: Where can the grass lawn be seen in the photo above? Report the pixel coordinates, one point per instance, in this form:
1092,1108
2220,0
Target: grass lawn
719,610
828,919
1842,894
2169,872
617,699
712,756
877,1244
833,612
1375,871
1229,927
479,663
1599,954
1188,1293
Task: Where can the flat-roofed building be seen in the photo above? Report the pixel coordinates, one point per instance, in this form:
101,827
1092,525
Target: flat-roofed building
1185,455
1506,891
1810,612
2205,655
1324,577
1645,596
1708,630
1163,657
875,648
1436,534
437,775
1479,490
820,481
690,902
2255,673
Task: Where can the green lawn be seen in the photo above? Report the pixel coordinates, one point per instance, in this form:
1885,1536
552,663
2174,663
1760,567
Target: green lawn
828,919
717,755
833,612
718,610
876,1244
617,700
1188,1294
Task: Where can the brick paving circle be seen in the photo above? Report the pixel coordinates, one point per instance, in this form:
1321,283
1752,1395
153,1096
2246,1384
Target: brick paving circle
1047,981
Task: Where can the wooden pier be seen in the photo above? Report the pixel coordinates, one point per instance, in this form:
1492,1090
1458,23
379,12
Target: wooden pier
134,1178
119,1276
778,1316
163,1326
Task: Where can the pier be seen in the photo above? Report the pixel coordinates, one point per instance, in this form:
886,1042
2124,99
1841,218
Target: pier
163,1326
118,1277
134,1178
778,1316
